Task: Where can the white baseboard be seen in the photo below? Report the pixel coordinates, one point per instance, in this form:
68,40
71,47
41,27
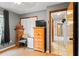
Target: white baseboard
7,47
47,51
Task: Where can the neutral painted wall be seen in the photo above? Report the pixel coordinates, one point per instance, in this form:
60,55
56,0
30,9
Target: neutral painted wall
13,20
40,14
1,11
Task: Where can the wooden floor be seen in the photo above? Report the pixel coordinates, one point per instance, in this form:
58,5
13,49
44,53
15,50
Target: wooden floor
24,52
30,52
62,49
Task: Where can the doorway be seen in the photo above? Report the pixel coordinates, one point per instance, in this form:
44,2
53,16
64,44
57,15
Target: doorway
61,42
28,25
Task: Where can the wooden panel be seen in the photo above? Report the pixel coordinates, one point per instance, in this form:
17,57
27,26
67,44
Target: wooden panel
52,29
70,12
39,38
59,30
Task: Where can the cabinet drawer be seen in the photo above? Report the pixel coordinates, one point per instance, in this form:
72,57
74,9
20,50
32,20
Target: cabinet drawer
39,33
39,38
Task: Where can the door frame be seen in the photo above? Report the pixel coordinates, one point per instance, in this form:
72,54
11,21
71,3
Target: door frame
50,23
28,17
75,28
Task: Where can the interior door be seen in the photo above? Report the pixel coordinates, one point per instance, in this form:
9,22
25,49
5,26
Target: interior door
62,32
58,45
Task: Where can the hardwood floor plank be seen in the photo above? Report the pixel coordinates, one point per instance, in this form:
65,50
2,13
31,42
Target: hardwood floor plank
24,52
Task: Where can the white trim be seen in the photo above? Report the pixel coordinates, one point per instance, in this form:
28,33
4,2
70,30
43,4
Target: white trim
7,48
1,15
47,51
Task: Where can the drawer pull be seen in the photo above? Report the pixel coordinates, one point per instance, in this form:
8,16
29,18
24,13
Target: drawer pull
38,34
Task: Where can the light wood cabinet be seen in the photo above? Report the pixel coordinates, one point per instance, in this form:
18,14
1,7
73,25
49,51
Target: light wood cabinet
39,38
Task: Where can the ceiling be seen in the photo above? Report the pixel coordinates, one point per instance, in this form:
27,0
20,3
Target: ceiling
26,7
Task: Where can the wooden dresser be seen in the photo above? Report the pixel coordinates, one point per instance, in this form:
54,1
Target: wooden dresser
39,39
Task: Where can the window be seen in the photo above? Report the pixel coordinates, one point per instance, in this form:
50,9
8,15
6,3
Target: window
1,27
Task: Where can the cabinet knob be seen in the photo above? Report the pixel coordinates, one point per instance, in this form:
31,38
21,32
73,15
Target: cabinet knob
38,34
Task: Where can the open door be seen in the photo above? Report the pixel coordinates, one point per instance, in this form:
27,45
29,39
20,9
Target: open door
62,31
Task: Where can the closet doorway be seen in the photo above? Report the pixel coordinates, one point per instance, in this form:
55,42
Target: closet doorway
61,31
28,25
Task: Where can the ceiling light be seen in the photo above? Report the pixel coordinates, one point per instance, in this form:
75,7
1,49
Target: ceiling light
69,12
18,3
59,13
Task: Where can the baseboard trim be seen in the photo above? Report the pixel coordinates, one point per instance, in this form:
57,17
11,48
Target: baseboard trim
47,51
1,50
